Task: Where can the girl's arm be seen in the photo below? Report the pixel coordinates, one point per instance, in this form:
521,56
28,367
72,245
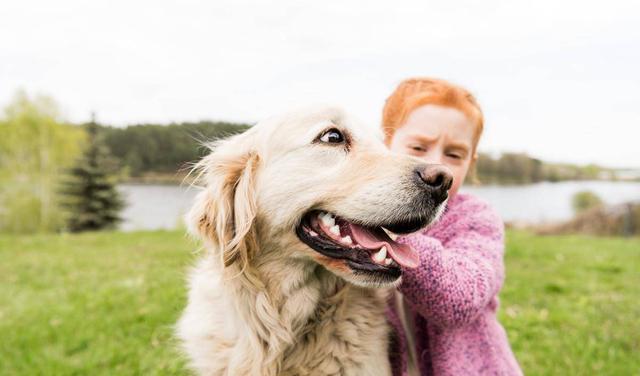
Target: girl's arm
457,277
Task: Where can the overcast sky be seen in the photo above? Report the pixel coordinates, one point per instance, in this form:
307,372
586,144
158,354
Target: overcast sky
559,80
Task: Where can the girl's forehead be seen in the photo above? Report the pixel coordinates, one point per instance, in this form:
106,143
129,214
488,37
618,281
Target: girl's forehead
433,121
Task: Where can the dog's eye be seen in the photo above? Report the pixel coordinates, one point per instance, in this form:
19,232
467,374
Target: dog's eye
332,136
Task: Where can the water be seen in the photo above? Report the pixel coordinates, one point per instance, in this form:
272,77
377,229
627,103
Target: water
151,207
162,206
547,202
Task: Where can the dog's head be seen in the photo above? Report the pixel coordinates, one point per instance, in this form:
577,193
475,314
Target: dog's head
316,186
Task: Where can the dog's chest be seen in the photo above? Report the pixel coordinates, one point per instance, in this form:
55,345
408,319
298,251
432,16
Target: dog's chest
348,336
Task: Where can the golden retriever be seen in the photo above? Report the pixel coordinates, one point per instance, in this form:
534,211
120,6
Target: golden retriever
294,215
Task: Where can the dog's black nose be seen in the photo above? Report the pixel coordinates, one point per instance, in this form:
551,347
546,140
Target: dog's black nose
435,176
437,179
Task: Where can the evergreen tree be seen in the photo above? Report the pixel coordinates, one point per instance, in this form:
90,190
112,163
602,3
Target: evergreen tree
92,198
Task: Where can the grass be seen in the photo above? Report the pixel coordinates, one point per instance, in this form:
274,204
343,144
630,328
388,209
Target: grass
105,303
571,304
91,304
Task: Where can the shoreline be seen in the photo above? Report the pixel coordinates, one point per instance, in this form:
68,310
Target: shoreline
179,178
158,179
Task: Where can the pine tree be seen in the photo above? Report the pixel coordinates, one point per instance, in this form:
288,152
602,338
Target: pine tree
91,196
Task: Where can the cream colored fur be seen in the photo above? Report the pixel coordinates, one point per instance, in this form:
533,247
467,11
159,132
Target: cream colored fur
260,301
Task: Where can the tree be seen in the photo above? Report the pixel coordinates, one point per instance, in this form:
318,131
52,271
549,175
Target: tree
161,149
92,198
35,145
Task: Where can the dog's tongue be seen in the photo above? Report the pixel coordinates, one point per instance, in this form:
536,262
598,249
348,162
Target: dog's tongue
376,238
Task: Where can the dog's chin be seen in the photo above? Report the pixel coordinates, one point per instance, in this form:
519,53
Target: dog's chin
368,280
336,242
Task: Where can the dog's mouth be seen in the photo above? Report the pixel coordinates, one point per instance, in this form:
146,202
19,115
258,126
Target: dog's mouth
364,248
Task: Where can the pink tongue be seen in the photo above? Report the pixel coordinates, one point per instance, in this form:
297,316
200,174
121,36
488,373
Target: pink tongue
375,239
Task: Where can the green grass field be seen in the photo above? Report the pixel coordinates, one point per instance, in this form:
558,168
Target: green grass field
105,303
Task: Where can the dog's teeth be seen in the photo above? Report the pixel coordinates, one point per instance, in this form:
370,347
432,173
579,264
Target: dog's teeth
313,233
387,261
335,230
327,219
380,256
347,240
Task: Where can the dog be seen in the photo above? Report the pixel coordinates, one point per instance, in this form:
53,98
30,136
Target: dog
294,216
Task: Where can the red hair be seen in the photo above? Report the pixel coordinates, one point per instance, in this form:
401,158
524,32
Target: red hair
416,92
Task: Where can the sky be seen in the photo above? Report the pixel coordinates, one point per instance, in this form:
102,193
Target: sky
558,80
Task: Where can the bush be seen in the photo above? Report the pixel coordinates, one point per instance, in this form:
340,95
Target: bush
585,200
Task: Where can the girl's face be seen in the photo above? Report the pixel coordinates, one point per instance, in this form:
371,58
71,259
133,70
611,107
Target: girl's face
441,135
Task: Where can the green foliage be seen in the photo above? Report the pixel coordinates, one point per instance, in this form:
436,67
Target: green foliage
519,168
35,146
91,195
164,148
105,303
585,200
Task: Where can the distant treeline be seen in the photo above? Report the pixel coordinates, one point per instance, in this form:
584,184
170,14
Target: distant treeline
519,168
161,150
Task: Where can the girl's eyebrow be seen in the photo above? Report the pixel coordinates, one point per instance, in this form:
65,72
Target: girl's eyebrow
453,145
422,138
459,146
462,146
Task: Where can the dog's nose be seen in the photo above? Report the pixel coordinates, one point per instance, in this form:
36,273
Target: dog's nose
437,179
435,176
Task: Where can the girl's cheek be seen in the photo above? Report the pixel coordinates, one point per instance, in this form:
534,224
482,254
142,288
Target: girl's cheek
459,174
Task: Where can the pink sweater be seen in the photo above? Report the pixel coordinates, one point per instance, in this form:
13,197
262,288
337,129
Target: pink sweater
451,298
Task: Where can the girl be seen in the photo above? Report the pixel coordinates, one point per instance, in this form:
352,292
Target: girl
445,313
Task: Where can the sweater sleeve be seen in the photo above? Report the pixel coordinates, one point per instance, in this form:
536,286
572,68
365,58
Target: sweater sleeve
459,274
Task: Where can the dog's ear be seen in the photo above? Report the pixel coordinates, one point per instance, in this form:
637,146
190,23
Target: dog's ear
224,212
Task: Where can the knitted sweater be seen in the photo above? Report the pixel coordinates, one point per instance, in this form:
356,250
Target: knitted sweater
450,300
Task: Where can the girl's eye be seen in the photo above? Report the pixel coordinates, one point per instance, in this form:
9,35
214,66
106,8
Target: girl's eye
454,156
418,148
332,136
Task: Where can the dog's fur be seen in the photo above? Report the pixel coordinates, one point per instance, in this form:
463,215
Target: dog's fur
261,302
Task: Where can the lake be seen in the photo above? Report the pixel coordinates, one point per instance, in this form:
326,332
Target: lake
162,206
